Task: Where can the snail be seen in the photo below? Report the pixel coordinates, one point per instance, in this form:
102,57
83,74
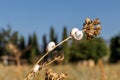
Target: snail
36,68
73,31
76,34
50,46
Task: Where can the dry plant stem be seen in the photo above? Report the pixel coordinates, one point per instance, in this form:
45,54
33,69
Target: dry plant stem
50,62
54,48
102,69
68,38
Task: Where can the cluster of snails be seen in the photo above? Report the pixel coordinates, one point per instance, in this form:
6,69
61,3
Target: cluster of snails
75,33
88,29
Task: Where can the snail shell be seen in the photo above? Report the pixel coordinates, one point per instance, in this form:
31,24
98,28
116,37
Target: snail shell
73,31
50,46
36,68
78,35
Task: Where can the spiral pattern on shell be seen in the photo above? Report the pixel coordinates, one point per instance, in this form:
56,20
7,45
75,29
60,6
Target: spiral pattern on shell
50,46
78,35
73,31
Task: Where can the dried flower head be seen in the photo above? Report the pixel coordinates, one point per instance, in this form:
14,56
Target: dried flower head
88,20
91,28
97,30
63,76
50,75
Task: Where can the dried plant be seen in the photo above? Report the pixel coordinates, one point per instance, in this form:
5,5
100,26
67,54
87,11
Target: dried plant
51,75
16,52
102,70
90,28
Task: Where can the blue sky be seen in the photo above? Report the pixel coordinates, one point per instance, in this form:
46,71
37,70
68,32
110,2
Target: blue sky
28,16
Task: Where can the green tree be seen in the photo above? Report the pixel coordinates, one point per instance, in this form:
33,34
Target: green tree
14,38
1,44
53,36
75,55
23,48
21,43
92,49
34,51
28,55
4,38
115,48
65,46
10,43
44,39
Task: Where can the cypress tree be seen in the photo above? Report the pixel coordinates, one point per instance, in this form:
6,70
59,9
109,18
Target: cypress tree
65,47
115,49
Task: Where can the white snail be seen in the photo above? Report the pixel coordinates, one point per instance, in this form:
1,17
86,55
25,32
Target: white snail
73,31
36,68
78,35
50,46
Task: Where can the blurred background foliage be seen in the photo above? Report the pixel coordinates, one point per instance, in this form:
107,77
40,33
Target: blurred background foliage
30,49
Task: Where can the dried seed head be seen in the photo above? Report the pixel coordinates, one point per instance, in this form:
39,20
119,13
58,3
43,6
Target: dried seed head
87,20
98,27
96,21
92,29
73,31
63,75
50,46
78,35
36,68
55,75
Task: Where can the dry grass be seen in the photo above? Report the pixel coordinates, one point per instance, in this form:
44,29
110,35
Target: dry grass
91,28
74,72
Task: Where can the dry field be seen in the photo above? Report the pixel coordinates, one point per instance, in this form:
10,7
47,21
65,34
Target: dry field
75,72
